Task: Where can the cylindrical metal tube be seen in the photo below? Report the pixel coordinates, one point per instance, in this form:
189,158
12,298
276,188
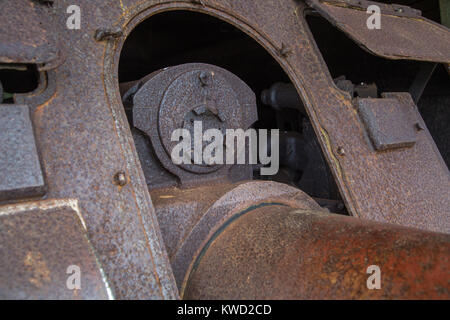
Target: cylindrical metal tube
282,95
273,252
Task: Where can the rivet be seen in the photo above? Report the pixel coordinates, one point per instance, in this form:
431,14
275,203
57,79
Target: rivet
341,151
285,50
120,178
108,34
419,126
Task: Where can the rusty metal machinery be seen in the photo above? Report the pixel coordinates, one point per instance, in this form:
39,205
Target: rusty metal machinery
265,240
274,252
87,181
175,98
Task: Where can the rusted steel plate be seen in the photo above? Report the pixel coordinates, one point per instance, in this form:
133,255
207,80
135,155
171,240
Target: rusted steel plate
20,168
40,242
85,141
84,138
389,123
406,186
400,36
27,33
403,187
272,252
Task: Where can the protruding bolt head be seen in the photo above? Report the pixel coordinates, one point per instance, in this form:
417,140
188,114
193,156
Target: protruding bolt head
108,34
120,178
285,50
419,126
204,78
341,151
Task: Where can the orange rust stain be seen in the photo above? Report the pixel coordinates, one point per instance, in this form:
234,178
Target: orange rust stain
41,273
167,197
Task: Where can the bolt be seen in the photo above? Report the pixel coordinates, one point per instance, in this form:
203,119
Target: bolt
285,50
120,178
108,34
199,2
419,126
204,78
341,151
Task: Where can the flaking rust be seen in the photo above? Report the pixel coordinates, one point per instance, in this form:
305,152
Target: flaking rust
137,239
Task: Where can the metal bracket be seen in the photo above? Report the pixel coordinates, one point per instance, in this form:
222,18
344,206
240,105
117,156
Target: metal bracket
391,9
20,168
403,34
388,123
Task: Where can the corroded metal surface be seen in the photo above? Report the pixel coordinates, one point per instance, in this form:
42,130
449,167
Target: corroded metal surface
27,33
20,168
401,36
179,96
84,142
39,242
404,186
272,252
389,123
84,138
189,217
